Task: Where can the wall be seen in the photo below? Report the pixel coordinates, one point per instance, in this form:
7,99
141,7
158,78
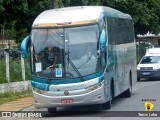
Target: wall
15,86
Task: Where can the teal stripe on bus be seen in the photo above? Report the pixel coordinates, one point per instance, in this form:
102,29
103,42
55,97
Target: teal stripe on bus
66,81
42,86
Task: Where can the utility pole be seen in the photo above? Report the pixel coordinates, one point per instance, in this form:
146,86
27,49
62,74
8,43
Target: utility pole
7,65
23,68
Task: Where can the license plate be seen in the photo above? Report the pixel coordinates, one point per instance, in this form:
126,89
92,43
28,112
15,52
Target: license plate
66,100
146,73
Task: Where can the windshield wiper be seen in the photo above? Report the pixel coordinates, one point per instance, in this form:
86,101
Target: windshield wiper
74,67
49,76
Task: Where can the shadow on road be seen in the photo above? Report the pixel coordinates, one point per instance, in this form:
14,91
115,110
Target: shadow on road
149,80
81,111
87,111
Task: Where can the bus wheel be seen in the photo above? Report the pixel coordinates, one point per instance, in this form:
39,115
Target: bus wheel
52,110
138,79
108,104
128,92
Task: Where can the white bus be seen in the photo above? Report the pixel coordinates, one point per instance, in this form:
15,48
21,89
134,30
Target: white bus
93,56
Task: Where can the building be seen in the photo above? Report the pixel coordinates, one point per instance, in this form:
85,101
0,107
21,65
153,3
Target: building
5,43
146,41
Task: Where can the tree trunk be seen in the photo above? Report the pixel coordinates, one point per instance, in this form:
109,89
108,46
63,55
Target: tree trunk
54,4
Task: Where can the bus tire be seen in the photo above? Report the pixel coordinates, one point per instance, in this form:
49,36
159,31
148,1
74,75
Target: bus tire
128,92
108,104
138,79
52,110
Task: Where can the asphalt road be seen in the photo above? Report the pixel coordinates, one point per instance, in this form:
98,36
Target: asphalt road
147,90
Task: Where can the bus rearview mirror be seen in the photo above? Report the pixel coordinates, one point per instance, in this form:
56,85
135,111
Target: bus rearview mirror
24,46
103,41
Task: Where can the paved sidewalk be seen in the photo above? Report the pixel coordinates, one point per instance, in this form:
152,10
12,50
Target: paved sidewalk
17,105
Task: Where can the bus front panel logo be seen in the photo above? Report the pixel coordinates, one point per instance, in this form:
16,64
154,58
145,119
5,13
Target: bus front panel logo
66,93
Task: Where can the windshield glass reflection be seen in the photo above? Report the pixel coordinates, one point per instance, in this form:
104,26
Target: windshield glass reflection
150,59
65,52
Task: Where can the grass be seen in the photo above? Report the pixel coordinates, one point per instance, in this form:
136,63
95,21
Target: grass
13,96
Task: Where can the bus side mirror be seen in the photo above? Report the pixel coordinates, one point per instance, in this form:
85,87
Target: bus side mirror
25,45
103,41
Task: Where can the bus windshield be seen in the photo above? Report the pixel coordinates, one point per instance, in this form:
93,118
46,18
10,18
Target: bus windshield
66,52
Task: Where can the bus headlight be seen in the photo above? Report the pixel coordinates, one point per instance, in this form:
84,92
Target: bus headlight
93,87
38,90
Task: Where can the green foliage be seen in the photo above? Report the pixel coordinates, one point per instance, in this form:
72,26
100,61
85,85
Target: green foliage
63,3
146,14
2,72
12,96
91,2
18,16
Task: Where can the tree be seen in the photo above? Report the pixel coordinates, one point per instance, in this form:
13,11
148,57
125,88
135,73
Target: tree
18,16
9,11
145,14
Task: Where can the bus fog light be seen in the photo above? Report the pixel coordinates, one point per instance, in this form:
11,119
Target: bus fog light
99,96
35,101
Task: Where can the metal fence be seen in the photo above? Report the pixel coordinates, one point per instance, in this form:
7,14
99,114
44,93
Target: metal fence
13,67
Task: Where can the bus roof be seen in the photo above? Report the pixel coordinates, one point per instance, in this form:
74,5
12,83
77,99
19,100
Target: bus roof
76,15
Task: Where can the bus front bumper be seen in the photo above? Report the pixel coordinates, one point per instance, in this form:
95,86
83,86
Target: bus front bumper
93,97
